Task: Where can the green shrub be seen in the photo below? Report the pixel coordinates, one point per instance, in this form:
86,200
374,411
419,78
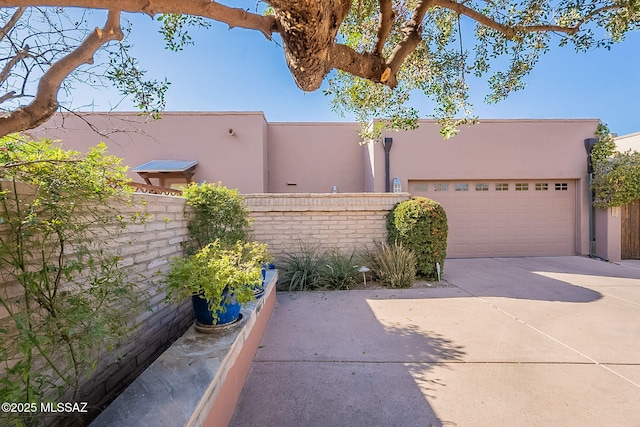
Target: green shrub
420,224
340,271
217,213
66,297
301,268
392,264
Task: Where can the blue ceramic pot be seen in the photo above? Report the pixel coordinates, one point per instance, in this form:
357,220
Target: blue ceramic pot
229,313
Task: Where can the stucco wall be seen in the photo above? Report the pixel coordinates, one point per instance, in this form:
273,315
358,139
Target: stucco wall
493,150
608,234
313,157
628,142
237,159
344,221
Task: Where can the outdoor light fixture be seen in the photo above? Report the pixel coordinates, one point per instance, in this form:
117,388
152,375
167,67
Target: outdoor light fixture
364,270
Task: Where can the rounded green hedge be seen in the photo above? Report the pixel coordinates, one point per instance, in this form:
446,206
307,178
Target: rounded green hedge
420,224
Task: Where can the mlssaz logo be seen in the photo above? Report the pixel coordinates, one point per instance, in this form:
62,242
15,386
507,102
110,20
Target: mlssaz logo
77,407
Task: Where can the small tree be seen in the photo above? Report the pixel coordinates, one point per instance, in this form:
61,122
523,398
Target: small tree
616,176
420,224
65,298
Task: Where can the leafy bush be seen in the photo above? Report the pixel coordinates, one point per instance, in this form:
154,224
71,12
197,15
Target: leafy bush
66,297
340,271
616,176
392,264
217,213
420,224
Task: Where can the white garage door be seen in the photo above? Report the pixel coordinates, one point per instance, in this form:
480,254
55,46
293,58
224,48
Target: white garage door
505,218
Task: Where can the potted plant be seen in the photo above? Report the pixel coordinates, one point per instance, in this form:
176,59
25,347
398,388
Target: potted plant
217,278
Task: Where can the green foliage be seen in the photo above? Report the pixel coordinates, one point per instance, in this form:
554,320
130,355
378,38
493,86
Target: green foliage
174,29
605,147
616,180
456,50
66,296
436,68
124,72
217,213
454,45
307,267
420,224
393,264
616,176
217,268
340,271
301,268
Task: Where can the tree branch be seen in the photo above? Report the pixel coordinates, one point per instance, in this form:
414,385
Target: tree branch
387,16
12,22
309,29
511,32
412,36
7,96
233,17
45,103
12,62
593,14
366,65
31,162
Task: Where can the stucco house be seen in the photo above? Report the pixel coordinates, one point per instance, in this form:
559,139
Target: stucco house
509,187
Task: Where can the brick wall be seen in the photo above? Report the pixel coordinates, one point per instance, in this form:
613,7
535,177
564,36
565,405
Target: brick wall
146,247
344,221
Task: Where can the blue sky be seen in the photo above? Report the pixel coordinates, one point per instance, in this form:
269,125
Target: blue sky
239,70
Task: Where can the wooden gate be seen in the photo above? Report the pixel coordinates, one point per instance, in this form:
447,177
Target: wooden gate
630,239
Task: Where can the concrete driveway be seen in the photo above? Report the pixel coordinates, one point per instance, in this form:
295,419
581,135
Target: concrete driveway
516,342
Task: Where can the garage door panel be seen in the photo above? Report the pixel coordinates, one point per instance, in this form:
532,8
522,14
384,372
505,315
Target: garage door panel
507,223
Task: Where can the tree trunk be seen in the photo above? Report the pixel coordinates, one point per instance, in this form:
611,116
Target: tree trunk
308,29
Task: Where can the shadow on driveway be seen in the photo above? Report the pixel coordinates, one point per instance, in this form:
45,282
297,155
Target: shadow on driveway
326,360
531,278
514,342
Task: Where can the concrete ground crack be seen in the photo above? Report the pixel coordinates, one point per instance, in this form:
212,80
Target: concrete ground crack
567,346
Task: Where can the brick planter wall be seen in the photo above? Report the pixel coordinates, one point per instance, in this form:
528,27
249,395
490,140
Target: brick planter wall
344,221
146,249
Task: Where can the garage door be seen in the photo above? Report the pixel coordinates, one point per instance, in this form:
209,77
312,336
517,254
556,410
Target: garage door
505,218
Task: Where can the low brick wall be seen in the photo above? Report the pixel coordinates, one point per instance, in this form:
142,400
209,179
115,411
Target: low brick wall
344,221
146,248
